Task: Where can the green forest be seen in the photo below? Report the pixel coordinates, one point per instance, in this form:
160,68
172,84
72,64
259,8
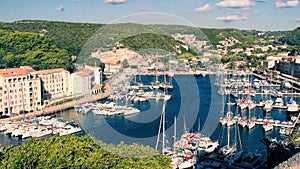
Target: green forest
80,152
26,48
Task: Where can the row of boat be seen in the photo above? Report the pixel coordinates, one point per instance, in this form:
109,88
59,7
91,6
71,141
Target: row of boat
106,109
39,127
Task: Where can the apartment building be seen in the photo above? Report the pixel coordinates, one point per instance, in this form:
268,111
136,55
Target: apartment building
20,91
83,81
55,84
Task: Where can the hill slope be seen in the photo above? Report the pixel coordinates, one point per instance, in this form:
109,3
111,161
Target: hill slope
25,48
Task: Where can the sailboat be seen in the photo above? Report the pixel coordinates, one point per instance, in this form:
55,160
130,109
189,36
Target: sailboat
268,105
293,107
268,126
251,121
243,121
227,149
183,159
165,84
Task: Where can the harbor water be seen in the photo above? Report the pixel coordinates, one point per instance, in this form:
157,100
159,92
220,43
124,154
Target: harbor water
195,104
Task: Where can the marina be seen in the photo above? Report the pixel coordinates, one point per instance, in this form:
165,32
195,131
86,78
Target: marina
143,125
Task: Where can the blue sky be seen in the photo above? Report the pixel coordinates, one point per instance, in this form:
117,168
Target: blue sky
241,14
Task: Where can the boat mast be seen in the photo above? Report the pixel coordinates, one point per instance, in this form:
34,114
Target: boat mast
184,125
199,126
156,73
163,125
228,136
158,134
174,130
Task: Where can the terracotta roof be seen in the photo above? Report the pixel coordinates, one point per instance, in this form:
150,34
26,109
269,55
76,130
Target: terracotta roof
50,71
85,72
97,86
23,70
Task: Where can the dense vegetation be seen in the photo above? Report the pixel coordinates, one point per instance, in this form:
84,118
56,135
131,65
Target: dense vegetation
79,152
25,48
66,35
150,40
216,35
292,38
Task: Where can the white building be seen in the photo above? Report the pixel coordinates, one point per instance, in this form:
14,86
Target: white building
97,73
82,82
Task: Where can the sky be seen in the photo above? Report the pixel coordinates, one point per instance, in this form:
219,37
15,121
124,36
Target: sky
240,14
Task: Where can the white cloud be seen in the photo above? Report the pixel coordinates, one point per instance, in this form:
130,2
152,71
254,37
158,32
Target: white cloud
203,9
60,9
297,19
114,1
286,4
236,3
229,18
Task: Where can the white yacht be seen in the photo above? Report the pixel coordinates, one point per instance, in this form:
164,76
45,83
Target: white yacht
243,122
279,103
268,126
130,111
251,105
206,145
69,129
268,105
293,107
256,83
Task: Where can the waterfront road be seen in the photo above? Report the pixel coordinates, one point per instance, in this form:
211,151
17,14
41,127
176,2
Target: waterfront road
64,106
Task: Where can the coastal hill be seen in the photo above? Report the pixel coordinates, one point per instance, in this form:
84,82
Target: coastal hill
72,38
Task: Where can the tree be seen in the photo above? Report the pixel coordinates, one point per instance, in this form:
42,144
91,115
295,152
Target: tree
125,63
232,65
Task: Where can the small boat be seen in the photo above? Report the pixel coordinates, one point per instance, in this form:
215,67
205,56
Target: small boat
251,124
206,145
268,126
256,83
282,130
268,105
279,103
243,122
293,107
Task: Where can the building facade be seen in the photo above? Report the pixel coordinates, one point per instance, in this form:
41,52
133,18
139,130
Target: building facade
55,84
97,73
289,65
20,91
82,82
